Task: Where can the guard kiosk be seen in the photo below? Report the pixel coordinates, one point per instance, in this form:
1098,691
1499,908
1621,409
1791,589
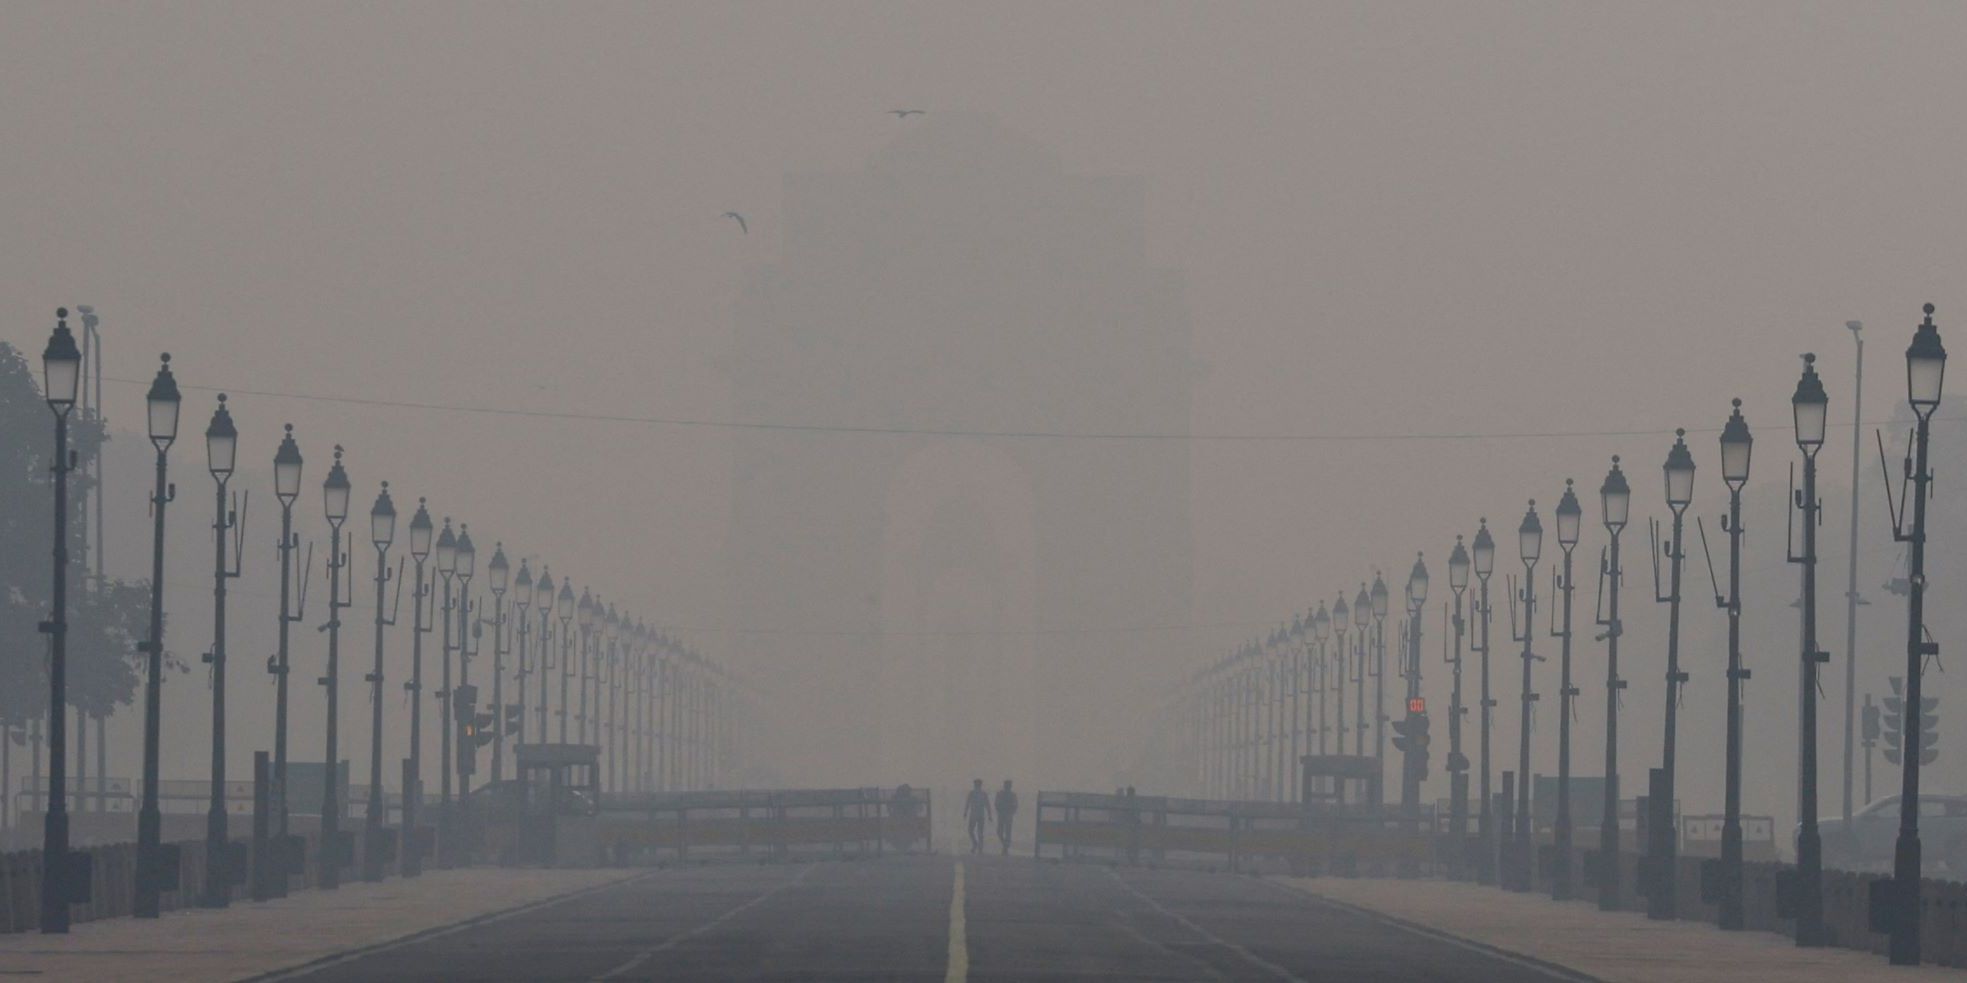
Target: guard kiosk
562,794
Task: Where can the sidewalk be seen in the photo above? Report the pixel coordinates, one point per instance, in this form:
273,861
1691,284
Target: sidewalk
249,939
1616,947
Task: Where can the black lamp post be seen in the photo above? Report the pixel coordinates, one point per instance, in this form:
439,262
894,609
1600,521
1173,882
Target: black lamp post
1379,596
334,495
1809,408
1415,723
1483,557
564,609
1362,618
382,532
522,602
1530,544
544,591
1615,503
156,866
466,707
606,700
1458,569
1342,656
1321,629
586,615
1662,850
61,364
499,573
221,451
420,543
286,488
1926,360
1569,518
1736,444
447,567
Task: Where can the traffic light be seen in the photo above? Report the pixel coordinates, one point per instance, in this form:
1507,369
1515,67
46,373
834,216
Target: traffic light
1924,732
1411,738
515,718
483,729
1871,726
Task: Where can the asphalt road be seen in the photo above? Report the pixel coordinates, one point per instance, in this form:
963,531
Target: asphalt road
894,919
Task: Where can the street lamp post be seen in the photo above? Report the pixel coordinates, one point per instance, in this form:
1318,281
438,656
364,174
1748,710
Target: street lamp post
1662,903
1379,596
1342,654
382,532
1926,360
522,602
447,566
610,663
1458,565
586,616
1321,627
334,493
156,866
467,710
544,591
499,572
564,609
61,884
1615,502
1809,407
1414,763
1736,444
1529,542
1362,618
1569,518
1851,598
286,488
420,541
221,450
1483,558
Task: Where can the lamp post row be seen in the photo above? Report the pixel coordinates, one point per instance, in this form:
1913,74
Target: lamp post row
1310,658
641,665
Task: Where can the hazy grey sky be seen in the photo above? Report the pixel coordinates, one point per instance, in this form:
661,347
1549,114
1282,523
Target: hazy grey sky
1392,219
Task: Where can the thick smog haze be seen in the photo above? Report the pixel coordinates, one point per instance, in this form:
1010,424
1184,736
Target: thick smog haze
967,379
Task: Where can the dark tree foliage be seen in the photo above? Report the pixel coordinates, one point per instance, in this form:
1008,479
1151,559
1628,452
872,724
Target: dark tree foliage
105,619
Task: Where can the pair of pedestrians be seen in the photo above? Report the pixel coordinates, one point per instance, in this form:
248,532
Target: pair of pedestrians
977,810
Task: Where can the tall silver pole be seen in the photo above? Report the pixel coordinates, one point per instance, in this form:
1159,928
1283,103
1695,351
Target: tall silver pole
1851,598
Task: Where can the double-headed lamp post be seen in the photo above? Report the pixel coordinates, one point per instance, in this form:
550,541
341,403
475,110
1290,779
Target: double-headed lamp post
1530,545
1615,504
1736,444
334,497
61,365
420,542
152,859
1662,903
1809,408
1926,360
1482,556
1457,761
1569,517
221,453
382,532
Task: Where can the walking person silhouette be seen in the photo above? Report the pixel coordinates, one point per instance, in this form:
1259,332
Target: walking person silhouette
976,810
1007,807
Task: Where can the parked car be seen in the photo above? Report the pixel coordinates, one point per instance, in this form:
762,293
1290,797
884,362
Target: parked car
1867,841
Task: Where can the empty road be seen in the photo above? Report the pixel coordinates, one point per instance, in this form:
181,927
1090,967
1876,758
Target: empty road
923,918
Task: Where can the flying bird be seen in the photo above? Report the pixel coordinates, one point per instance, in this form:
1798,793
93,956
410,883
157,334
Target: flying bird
742,228
905,113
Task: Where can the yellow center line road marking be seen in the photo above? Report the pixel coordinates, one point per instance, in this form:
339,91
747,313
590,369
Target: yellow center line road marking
959,943
675,940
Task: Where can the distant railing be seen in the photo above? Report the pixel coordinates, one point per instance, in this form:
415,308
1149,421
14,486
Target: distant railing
1238,835
782,823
